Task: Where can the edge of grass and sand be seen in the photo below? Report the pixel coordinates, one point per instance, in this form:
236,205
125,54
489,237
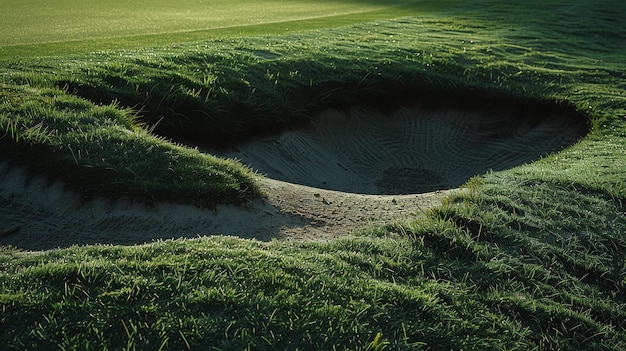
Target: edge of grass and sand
529,258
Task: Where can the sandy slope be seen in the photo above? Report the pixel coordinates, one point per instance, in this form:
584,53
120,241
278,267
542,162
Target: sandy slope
351,168
410,149
47,215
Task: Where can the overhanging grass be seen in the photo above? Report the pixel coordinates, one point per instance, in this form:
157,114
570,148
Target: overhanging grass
72,140
531,258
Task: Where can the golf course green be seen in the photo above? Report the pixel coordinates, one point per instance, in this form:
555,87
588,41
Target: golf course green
128,124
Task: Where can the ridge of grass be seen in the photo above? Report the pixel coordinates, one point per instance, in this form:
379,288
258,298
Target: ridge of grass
530,258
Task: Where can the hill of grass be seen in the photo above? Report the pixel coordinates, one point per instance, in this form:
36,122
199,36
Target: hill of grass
529,258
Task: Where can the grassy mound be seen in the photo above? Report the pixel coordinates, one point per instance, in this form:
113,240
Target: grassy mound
530,258
100,150
489,270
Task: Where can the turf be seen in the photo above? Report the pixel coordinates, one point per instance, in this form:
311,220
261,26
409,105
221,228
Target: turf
69,26
529,258
33,22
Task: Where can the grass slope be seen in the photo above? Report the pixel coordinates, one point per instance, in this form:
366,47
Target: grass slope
530,258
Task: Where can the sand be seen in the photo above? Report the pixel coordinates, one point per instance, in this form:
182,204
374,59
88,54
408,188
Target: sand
351,168
412,149
38,215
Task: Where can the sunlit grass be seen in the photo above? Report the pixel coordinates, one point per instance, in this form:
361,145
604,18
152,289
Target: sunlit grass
69,26
32,22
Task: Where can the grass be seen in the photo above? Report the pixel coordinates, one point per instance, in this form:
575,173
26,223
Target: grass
531,258
38,28
71,139
435,284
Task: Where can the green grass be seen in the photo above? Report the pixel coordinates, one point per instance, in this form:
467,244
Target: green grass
527,259
68,138
35,22
69,26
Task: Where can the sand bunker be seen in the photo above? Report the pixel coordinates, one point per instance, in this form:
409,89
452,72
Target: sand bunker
410,149
325,180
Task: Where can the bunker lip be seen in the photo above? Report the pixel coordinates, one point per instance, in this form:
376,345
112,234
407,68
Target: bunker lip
410,146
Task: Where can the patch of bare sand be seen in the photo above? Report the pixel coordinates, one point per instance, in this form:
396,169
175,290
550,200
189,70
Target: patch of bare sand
39,215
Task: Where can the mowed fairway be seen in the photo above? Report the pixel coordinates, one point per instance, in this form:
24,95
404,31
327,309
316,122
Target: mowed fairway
70,26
